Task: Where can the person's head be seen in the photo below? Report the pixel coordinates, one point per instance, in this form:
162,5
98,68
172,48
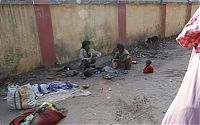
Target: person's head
120,47
86,44
148,62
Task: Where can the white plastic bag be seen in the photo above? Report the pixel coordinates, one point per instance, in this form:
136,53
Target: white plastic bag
36,90
21,97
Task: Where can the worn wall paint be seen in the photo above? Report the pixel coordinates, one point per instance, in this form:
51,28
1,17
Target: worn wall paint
188,12
143,20
19,50
74,23
162,20
175,18
122,22
19,46
194,8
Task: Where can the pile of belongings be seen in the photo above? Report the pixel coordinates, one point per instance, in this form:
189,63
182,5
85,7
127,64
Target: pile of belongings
27,96
41,89
46,114
99,71
108,72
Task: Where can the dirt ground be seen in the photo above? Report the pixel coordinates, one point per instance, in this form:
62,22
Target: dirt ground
134,98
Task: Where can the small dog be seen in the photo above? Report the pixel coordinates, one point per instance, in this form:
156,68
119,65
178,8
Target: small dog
152,42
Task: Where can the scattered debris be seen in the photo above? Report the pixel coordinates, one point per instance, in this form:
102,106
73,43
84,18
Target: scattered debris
85,86
150,48
139,109
134,62
108,76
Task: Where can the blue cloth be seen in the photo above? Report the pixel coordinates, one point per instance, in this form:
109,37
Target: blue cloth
53,86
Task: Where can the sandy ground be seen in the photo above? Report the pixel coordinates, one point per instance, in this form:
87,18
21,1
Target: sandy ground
135,98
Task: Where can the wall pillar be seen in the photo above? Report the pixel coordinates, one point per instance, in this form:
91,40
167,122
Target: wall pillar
122,21
45,33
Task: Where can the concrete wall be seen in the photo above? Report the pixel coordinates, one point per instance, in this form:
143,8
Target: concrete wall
194,8
74,23
175,18
19,50
143,20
